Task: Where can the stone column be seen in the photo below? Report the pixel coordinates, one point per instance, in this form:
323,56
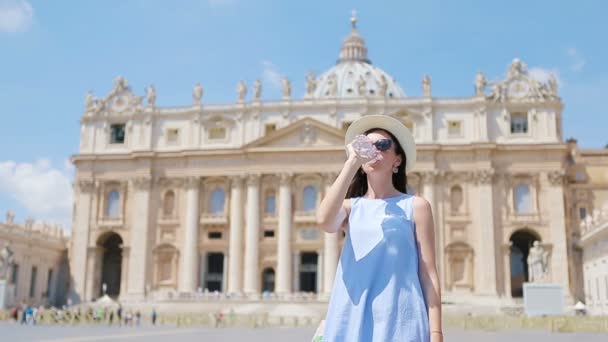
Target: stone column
330,249
506,259
486,259
284,237
252,236
296,271
80,240
235,248
557,217
138,276
320,273
428,192
190,259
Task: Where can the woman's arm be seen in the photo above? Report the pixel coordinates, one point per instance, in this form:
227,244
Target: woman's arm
427,270
333,210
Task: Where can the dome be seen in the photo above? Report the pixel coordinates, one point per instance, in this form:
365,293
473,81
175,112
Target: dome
354,75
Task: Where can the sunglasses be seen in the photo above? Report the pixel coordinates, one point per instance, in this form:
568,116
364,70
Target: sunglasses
383,144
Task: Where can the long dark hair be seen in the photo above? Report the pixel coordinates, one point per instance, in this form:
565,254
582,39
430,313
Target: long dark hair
358,186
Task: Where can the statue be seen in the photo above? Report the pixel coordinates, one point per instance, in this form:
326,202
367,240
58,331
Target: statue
516,68
537,263
89,101
10,216
197,93
6,262
332,83
311,84
497,92
286,85
480,84
120,85
361,86
426,86
536,89
382,85
257,89
552,86
29,223
151,94
241,89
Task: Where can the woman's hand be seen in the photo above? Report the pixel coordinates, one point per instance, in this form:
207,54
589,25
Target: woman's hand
361,159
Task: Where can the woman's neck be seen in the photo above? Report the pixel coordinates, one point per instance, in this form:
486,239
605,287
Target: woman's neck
378,187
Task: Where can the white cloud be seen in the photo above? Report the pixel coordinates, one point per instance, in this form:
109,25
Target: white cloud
542,75
15,15
578,61
45,192
271,74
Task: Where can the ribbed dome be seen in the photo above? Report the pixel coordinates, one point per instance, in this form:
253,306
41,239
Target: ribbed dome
354,75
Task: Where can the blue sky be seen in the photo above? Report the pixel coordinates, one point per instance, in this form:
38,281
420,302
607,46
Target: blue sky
53,52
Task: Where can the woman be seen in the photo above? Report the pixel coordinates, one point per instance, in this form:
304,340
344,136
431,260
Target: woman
386,286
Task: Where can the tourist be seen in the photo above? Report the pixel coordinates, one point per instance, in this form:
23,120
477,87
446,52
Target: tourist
154,315
137,318
386,285
119,315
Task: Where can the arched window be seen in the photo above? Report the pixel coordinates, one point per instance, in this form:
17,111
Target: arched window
270,203
113,204
309,202
456,199
522,198
217,201
169,203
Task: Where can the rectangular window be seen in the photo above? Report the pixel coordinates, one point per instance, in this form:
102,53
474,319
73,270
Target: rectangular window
33,281
172,135
455,129
216,133
117,134
519,123
269,233
49,282
269,128
15,275
582,213
215,235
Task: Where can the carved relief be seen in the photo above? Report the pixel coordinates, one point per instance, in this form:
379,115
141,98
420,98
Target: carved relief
556,177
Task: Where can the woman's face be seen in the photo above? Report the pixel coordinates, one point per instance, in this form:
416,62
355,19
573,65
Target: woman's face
388,160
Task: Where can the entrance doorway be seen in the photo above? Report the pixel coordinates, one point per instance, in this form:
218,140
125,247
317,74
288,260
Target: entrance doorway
521,242
308,271
111,267
268,280
215,272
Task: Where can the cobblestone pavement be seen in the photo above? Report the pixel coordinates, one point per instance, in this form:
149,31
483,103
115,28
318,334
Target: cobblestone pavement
15,332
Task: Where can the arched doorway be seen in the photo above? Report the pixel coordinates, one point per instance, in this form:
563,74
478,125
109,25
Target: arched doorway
111,266
268,280
521,241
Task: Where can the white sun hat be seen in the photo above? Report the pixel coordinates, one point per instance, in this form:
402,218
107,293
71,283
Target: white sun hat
389,124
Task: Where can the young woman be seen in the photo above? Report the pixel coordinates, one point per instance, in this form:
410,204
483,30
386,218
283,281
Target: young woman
386,286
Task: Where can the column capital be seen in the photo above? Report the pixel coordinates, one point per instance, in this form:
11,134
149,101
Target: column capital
142,182
428,176
169,182
285,178
253,178
85,185
556,177
191,182
484,176
330,177
236,180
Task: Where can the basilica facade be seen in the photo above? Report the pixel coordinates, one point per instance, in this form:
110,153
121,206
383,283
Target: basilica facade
170,201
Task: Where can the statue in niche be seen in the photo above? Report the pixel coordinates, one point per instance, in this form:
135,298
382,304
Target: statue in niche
311,84
382,85
241,89
151,94
10,217
480,84
197,93
426,86
537,263
361,83
286,85
257,89
7,260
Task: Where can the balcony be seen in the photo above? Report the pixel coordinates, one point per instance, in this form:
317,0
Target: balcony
301,216
108,223
209,218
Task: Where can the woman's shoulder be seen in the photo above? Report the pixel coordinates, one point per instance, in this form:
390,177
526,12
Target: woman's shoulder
421,207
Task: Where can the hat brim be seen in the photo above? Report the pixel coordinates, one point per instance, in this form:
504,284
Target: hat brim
389,124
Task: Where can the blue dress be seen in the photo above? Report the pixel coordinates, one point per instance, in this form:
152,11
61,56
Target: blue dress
377,294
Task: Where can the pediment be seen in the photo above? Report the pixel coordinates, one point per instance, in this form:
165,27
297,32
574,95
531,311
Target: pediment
306,132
